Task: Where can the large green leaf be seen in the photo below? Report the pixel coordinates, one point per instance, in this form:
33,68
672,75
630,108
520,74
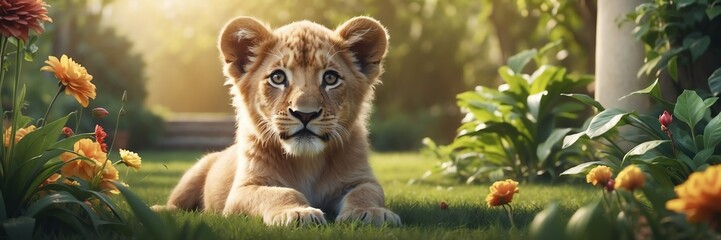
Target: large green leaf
541,78
689,108
654,91
534,105
548,224
642,149
571,139
19,228
702,157
605,121
544,149
713,12
516,82
698,46
672,67
588,223
714,81
580,168
35,142
712,132
153,223
585,99
517,62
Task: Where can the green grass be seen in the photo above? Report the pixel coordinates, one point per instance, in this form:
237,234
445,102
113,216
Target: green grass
417,204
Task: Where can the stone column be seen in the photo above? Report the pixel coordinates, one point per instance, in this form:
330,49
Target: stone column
619,56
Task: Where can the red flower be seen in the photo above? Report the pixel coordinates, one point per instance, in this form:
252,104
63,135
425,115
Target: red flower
100,136
17,17
665,119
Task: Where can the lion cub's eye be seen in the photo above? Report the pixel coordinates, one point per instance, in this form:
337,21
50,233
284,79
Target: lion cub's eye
277,79
331,79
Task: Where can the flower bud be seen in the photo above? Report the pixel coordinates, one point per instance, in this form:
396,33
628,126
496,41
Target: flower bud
100,112
443,205
68,132
611,185
665,119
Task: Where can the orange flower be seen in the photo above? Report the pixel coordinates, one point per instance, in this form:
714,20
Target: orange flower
502,192
630,178
83,169
18,135
699,196
17,17
599,176
73,76
130,159
109,174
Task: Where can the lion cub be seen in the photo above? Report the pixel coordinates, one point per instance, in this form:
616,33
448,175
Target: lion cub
302,94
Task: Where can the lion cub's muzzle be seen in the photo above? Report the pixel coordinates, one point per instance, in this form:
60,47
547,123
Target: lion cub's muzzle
305,118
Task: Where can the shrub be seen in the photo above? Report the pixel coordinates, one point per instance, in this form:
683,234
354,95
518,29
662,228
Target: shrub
513,131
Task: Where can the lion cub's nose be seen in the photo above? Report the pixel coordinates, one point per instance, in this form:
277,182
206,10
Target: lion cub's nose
305,117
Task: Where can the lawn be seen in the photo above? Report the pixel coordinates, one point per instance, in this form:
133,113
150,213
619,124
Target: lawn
417,204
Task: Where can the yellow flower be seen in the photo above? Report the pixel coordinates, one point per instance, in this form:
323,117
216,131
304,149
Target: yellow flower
599,176
109,174
18,135
699,196
501,192
83,169
630,178
130,159
73,76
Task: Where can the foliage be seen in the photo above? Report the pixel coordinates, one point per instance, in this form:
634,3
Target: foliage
669,156
514,131
682,37
52,184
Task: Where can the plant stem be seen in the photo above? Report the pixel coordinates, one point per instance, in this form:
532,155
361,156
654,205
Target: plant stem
45,117
16,112
509,211
3,44
117,124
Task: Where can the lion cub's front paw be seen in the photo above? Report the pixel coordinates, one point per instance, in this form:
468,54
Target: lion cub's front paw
301,216
372,215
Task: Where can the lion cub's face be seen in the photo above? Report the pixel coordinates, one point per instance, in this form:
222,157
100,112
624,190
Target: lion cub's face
303,85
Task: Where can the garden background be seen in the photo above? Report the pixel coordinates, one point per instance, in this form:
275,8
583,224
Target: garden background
474,92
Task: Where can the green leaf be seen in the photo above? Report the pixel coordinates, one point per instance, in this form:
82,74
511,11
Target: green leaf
702,157
604,122
517,62
542,77
654,91
544,149
586,100
548,224
516,82
571,139
642,149
154,224
689,108
3,211
684,3
712,132
19,228
580,168
588,223
534,104
699,46
35,142
713,12
714,81
672,67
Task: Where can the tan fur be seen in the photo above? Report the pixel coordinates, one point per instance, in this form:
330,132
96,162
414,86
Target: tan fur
269,172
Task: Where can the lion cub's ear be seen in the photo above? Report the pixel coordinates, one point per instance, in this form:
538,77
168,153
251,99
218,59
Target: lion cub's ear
239,42
368,41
